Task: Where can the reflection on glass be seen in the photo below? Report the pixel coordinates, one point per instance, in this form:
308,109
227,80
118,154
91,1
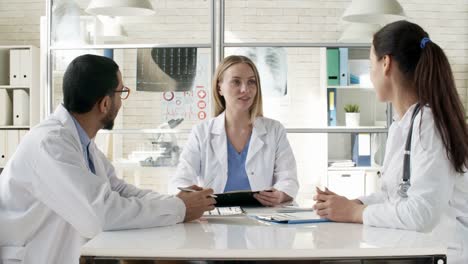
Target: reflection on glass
148,108
166,69
68,24
272,67
242,233
175,22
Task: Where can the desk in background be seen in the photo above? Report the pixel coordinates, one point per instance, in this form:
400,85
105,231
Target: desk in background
244,238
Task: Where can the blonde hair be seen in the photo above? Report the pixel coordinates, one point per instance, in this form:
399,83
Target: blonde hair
219,103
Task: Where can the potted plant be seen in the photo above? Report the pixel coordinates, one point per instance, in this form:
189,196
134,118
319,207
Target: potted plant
352,115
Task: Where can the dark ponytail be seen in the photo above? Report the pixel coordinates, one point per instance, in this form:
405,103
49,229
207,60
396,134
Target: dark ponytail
424,64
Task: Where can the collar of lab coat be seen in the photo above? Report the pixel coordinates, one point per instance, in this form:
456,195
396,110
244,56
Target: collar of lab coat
405,121
219,128
220,141
61,114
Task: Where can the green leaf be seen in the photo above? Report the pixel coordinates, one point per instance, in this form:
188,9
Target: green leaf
351,108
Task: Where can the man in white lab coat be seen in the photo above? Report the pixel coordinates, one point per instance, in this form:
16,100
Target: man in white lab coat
58,190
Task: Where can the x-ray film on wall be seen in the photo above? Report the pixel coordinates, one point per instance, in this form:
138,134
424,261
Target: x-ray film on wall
166,69
272,65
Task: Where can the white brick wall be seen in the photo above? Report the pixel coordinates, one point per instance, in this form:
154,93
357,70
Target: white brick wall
19,21
187,21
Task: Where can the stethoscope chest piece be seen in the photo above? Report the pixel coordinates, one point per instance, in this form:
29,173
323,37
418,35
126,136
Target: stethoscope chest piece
403,190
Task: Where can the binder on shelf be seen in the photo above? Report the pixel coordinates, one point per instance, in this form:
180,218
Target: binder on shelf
343,66
15,67
4,67
333,66
331,105
12,142
20,107
361,149
3,147
25,67
6,108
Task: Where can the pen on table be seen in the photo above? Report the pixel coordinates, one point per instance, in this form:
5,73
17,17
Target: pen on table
192,190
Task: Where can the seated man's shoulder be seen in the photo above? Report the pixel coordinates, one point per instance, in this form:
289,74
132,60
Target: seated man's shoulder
49,131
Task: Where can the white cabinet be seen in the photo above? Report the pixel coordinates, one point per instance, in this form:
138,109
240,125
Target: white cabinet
372,182
354,183
19,96
350,184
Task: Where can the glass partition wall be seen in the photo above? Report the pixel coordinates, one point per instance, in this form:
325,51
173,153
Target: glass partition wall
167,59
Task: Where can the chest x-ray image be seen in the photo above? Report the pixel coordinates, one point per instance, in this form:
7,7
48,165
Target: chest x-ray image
166,69
272,66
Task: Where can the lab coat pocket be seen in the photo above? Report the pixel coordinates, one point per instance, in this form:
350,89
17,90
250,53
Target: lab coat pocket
12,254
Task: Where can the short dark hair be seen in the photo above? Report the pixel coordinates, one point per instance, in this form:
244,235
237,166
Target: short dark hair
87,80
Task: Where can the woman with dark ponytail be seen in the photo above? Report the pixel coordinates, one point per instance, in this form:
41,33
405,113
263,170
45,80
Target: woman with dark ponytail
424,179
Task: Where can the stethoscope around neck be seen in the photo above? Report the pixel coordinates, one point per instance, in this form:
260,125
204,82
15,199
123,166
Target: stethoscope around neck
405,183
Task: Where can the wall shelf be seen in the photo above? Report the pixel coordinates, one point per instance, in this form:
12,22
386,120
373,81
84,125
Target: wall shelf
288,130
144,131
15,127
296,45
20,96
128,46
338,129
354,168
12,87
353,87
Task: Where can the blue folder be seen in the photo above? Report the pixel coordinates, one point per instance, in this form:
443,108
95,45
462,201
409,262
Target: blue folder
344,66
361,153
331,106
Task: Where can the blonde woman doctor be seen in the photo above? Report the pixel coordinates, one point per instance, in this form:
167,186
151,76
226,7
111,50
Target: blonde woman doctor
239,149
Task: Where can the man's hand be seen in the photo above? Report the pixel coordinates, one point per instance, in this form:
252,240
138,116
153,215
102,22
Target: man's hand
196,203
272,198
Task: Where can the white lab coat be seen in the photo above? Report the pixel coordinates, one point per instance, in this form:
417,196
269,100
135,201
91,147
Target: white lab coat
438,197
51,203
270,161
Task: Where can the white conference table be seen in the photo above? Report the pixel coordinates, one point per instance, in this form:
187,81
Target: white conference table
244,238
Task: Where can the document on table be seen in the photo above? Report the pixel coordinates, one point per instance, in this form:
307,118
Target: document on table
292,218
225,211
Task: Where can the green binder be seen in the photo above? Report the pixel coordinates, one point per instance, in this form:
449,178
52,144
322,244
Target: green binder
333,66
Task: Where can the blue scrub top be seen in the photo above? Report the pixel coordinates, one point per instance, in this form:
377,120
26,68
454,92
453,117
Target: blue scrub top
237,176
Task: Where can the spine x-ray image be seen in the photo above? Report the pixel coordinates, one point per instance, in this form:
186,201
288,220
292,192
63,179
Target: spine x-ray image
166,69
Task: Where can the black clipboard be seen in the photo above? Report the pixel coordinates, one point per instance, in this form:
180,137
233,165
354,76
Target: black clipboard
237,198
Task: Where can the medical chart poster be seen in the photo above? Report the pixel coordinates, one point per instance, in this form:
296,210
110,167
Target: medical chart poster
192,105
